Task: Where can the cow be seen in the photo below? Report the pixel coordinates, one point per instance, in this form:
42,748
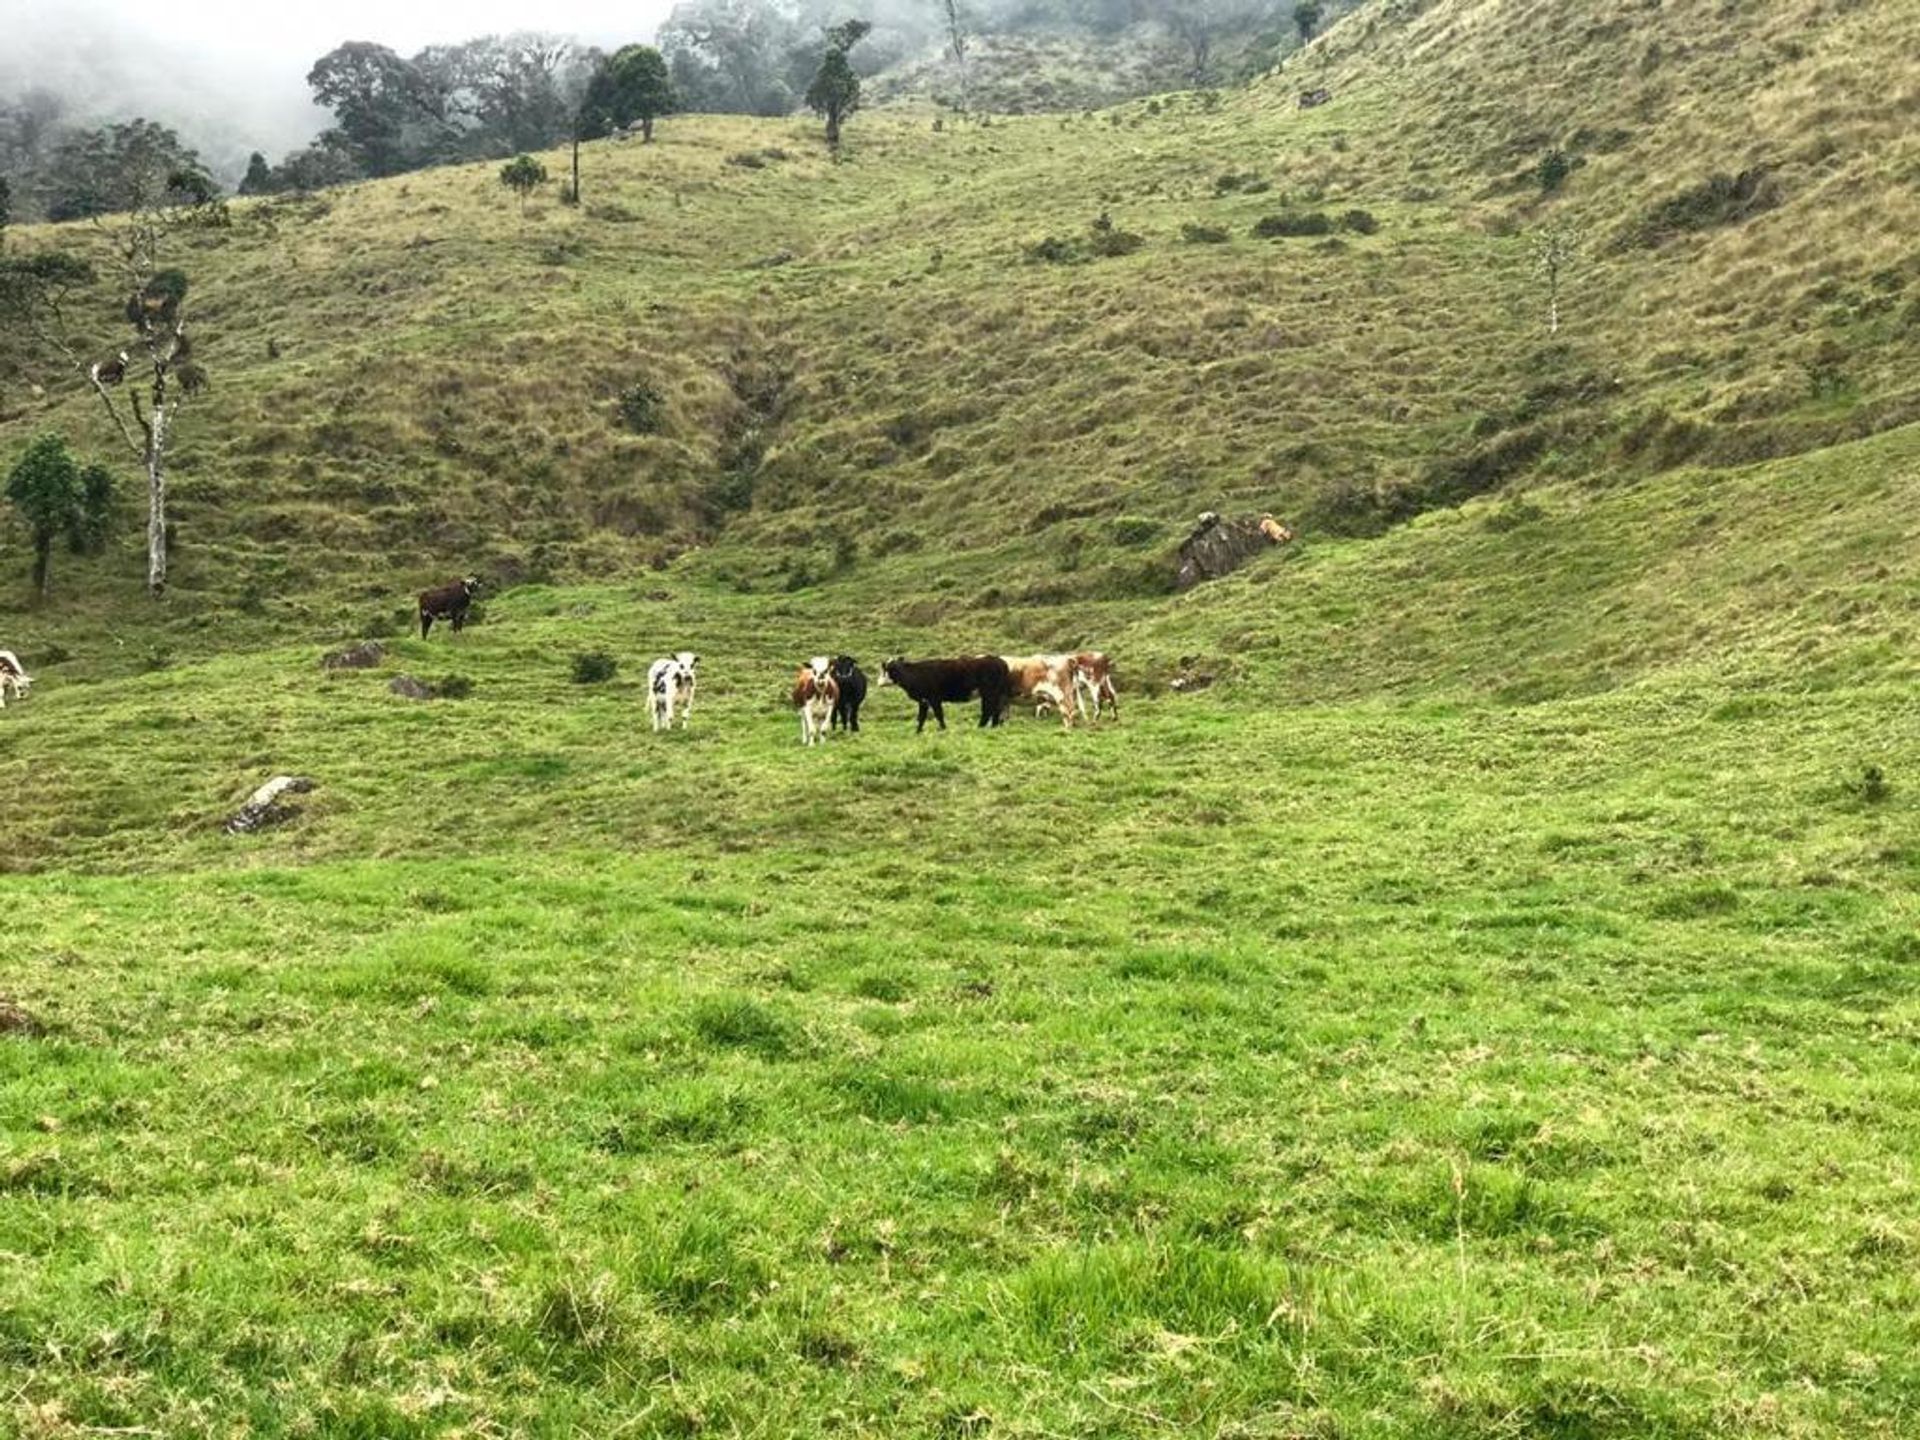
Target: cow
449,602
1274,531
852,681
816,695
1093,685
933,683
670,684
1045,679
14,677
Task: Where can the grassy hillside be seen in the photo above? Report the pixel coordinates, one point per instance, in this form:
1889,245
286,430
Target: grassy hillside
1486,1009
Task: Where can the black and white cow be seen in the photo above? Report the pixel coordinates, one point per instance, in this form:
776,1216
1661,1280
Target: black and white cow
449,602
670,684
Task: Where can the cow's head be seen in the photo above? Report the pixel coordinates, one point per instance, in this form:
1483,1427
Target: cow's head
821,669
687,660
471,585
890,672
843,667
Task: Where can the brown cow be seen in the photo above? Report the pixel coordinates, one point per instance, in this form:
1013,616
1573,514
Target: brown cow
1093,683
815,695
1276,532
449,602
1044,679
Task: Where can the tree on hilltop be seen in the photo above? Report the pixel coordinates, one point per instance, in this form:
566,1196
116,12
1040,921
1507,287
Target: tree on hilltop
835,91
523,175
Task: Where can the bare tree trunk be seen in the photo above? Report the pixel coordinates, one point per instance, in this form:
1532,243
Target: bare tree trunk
42,557
576,170
833,129
646,129
157,502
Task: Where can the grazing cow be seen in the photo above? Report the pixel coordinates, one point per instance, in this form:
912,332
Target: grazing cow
1276,532
14,677
1093,685
1045,679
852,681
933,683
816,695
670,684
449,602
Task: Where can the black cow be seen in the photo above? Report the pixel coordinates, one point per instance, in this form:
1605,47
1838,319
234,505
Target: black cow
852,681
449,602
932,682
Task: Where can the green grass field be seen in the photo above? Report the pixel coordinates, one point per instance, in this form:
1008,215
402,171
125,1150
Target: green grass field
1488,1010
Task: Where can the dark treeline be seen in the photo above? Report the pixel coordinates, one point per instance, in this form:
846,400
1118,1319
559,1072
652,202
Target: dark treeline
500,95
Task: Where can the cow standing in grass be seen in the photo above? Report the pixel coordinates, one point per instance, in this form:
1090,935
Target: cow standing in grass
934,683
852,681
1093,685
1047,680
14,677
449,602
670,685
816,695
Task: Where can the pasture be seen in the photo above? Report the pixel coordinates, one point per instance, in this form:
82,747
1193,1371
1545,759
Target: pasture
1395,1065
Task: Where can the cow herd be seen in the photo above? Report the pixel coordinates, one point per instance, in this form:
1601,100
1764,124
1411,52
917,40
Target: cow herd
828,691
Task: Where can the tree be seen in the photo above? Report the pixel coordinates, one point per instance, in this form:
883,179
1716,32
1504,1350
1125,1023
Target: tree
523,175
731,55
56,496
835,92
259,177
1556,250
39,292
632,87
1306,18
388,112
120,168
957,47
6,208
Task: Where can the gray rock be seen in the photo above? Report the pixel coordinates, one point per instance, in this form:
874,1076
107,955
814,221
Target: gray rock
364,656
267,806
410,688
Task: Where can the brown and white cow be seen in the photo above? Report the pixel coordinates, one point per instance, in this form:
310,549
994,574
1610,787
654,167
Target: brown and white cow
1047,680
815,695
450,602
1277,533
1093,685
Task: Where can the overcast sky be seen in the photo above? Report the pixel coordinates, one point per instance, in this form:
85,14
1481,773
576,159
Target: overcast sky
232,73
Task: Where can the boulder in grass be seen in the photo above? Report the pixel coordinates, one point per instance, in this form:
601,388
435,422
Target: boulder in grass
364,656
409,688
1220,546
267,806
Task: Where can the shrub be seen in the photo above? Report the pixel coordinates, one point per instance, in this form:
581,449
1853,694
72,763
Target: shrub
452,687
1552,172
595,667
642,408
1310,222
1203,234
1360,222
1053,251
1717,200
1109,240
1872,787
1232,183
1135,530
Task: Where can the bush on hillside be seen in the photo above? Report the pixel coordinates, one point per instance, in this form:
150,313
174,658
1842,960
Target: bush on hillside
1135,530
1204,234
1053,251
1232,183
1718,200
1310,222
595,667
642,408
1554,168
452,687
1360,222
1109,240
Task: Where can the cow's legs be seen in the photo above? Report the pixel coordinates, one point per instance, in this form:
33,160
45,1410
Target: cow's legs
426,624
940,714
